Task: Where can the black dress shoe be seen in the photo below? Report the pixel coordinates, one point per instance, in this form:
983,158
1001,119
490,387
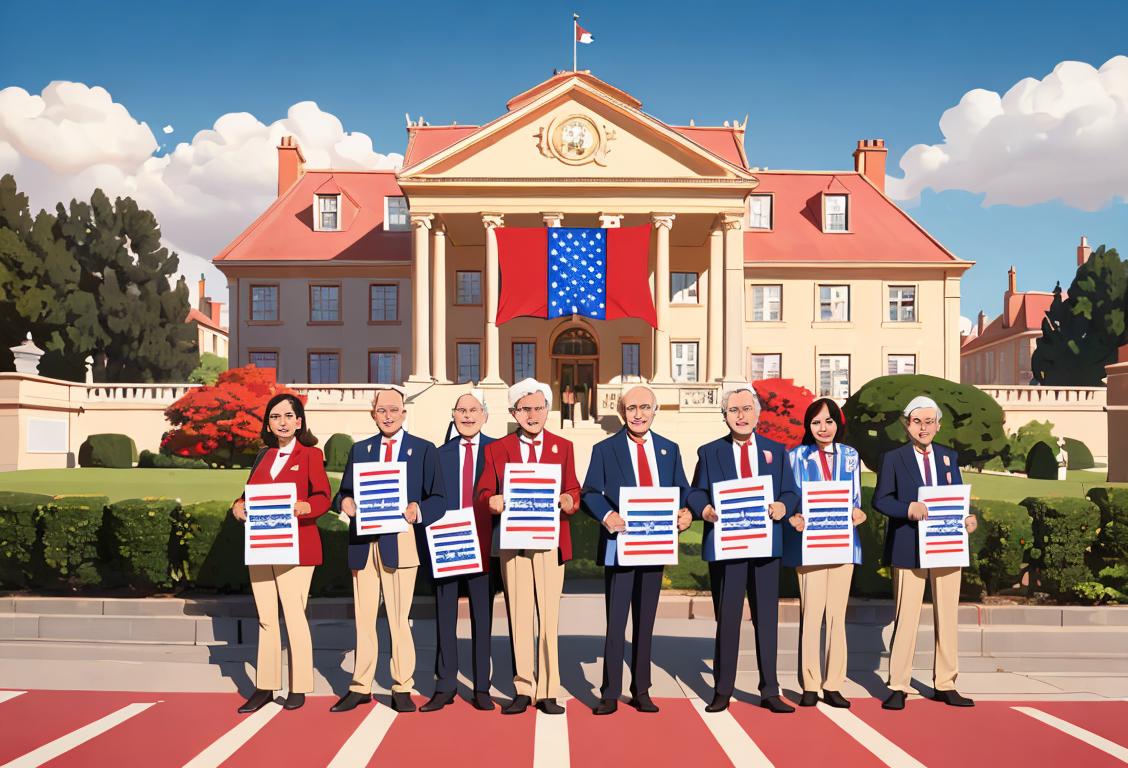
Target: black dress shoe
808,699
952,699
643,703
483,701
438,701
257,701
351,700
517,706
835,699
776,705
550,707
606,707
718,704
401,702
294,701
895,700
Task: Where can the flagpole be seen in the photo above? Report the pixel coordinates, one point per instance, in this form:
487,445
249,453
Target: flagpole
575,19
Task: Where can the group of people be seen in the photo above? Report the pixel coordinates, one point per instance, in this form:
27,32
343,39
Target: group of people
468,471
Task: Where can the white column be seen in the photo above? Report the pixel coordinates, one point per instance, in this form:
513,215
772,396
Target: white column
439,302
420,294
610,220
491,221
663,223
715,344
553,219
733,225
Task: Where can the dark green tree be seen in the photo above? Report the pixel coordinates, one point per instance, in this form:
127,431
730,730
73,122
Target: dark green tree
1082,333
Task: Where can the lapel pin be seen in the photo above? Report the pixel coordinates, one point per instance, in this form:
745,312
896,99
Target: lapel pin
663,451
370,447
409,451
767,456
555,449
294,468
947,462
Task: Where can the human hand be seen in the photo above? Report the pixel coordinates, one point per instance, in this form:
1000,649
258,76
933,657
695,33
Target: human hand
797,522
776,510
971,522
497,504
857,517
614,523
348,506
918,510
301,508
684,519
411,514
567,503
709,514
239,511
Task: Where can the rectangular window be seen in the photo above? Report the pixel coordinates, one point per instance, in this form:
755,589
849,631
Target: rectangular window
767,303
324,303
835,217
264,303
765,366
901,364
469,362
327,211
324,368
834,303
902,303
396,219
384,368
468,288
383,303
684,361
263,359
834,376
524,360
683,287
631,366
759,211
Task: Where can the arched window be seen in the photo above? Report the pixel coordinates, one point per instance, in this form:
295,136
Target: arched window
575,341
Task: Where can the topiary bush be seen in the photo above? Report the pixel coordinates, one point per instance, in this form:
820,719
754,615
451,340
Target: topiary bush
150,460
1112,542
138,538
1024,438
21,552
1064,530
211,547
1041,462
333,578
1000,542
107,450
872,578
1078,455
337,452
71,527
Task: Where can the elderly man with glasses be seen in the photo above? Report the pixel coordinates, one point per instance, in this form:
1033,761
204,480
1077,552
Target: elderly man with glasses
533,579
740,454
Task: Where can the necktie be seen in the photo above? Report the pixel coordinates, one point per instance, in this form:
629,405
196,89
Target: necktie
927,468
745,460
388,449
468,474
532,459
825,466
644,478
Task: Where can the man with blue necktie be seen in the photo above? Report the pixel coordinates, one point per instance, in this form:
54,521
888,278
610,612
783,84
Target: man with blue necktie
633,457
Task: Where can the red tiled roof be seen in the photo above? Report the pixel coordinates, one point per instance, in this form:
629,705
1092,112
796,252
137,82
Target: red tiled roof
284,232
426,140
880,230
1032,310
196,316
727,143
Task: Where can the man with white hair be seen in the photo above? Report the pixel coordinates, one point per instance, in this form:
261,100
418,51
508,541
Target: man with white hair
533,579
902,473
739,454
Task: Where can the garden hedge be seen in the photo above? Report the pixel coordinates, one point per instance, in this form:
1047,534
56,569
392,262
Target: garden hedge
150,460
210,543
1041,462
21,555
1064,531
138,538
71,528
1112,542
1078,455
337,452
1000,542
107,450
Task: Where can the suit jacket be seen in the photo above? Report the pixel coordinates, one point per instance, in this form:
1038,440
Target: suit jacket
715,462
806,467
449,453
898,482
611,469
305,469
424,487
553,450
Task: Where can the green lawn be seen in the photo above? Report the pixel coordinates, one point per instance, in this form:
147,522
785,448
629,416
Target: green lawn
1003,488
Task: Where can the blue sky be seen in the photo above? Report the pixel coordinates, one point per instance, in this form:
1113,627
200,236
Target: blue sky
814,77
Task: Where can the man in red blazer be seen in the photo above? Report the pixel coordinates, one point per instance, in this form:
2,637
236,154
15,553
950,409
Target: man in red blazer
533,579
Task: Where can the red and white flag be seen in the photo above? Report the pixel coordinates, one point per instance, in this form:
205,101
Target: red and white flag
582,35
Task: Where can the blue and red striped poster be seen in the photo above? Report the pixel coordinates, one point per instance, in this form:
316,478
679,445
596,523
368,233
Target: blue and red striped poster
531,519
453,542
743,528
942,536
651,516
828,537
270,535
380,493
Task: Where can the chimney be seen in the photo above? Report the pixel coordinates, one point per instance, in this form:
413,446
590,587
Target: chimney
869,160
1083,251
291,163
216,312
981,326
1012,280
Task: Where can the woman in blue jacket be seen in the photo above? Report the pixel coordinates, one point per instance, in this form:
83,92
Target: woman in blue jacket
823,589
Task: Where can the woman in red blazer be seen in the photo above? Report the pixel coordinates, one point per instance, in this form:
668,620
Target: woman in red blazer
289,457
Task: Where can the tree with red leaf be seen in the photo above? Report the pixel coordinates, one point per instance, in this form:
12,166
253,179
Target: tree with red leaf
783,404
223,423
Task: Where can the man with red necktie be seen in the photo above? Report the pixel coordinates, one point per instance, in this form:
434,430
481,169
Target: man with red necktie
533,579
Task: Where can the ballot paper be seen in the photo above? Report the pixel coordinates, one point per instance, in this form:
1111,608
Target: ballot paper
828,536
453,543
531,519
380,493
270,534
744,528
651,517
943,537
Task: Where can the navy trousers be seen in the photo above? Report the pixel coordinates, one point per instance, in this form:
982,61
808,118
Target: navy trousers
635,590
730,581
446,623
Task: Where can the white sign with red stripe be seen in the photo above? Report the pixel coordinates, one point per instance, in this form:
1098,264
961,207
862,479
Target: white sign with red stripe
942,537
270,535
453,542
743,528
380,493
651,516
531,519
828,537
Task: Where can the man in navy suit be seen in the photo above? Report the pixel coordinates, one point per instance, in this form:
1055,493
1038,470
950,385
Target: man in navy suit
388,563
462,459
633,457
903,471
742,453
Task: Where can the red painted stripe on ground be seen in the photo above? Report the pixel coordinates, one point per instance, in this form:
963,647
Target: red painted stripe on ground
38,717
674,736
1104,718
803,738
311,735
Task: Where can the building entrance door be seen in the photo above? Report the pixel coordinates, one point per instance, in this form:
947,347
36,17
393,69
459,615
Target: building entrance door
575,358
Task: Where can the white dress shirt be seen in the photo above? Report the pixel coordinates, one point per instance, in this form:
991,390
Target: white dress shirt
280,460
398,437
648,447
753,453
920,459
526,441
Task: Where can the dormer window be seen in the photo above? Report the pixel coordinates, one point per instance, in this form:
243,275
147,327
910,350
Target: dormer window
395,214
836,213
328,213
759,211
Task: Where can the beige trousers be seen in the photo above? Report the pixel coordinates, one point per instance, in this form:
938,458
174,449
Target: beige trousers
397,586
823,591
908,590
533,583
288,584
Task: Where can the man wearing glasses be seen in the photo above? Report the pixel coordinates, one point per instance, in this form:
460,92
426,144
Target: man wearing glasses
740,454
462,460
633,457
388,563
533,579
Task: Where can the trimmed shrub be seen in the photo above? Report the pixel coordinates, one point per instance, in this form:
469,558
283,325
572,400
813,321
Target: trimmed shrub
337,452
333,578
150,460
1112,542
71,526
138,537
1064,531
1000,542
1023,439
1079,456
212,547
872,578
107,450
1041,462
20,556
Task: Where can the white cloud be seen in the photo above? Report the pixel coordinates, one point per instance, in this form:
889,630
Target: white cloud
167,129
966,325
1059,138
71,138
